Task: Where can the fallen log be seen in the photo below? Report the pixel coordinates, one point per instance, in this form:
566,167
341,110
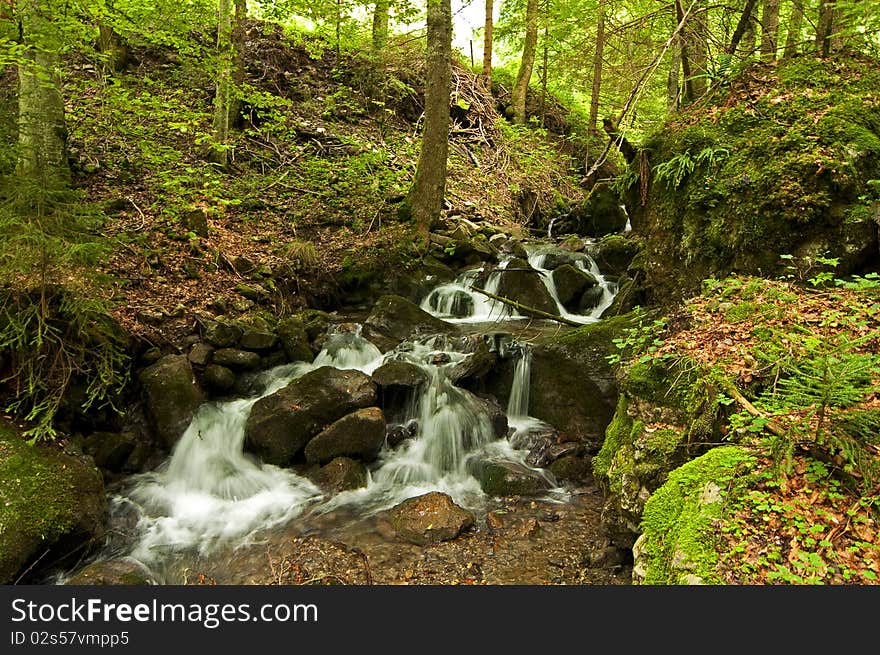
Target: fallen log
528,310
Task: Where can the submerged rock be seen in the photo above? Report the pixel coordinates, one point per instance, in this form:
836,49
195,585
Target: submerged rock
282,423
341,474
125,571
429,518
510,479
172,396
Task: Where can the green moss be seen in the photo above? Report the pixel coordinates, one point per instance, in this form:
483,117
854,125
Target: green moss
678,533
618,432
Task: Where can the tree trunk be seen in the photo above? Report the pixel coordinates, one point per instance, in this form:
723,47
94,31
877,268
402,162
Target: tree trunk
683,53
824,26
487,44
223,98
597,65
116,52
42,136
521,86
239,34
381,14
770,30
743,27
697,34
544,77
795,22
673,79
426,196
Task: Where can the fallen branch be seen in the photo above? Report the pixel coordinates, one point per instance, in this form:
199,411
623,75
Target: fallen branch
528,310
730,388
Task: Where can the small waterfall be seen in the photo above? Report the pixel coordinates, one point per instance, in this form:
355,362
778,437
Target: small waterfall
537,257
518,403
550,227
457,302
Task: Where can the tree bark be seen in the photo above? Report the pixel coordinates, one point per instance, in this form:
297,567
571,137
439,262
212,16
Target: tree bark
521,86
696,32
743,27
42,136
425,200
219,153
824,26
684,56
770,30
488,25
597,65
673,92
381,14
795,23
239,34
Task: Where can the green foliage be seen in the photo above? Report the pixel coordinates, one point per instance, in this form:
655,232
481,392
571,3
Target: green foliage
641,340
674,171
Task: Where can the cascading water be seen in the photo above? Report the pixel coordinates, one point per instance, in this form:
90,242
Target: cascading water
459,302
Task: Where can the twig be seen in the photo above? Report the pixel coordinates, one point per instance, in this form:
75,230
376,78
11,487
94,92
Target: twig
730,388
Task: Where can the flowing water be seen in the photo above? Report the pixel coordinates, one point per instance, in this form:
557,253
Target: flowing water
211,495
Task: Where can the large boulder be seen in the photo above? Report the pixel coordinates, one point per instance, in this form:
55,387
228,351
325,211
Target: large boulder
573,386
52,505
294,339
395,319
571,282
429,518
172,396
281,424
523,284
359,435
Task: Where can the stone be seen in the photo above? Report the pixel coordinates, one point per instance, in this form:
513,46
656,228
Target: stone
398,373
126,571
257,340
52,508
510,478
394,319
172,395
572,468
590,299
220,334
570,283
522,283
473,367
218,378
359,435
253,292
295,340
428,519
196,220
342,474
281,424
200,354
110,450
237,360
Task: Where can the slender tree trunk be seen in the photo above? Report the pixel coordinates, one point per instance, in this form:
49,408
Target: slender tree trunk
743,27
42,136
597,65
239,34
770,30
795,23
683,54
381,14
673,93
425,199
697,33
110,43
521,86
219,153
544,76
487,44
824,26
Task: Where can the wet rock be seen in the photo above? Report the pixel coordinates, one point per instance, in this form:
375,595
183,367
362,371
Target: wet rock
110,450
218,378
601,213
473,367
220,334
460,305
572,468
429,518
394,319
342,474
126,571
590,299
200,354
522,283
396,434
295,340
237,360
359,435
257,340
397,373
282,423
52,505
510,479
557,258
172,396
615,252
571,283
497,415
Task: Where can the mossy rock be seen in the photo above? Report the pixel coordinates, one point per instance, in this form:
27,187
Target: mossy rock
679,539
49,500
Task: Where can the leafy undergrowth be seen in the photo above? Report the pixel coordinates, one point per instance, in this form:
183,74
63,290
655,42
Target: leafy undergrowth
798,367
325,150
